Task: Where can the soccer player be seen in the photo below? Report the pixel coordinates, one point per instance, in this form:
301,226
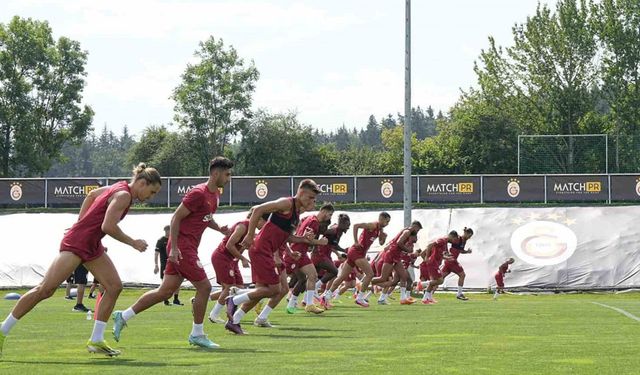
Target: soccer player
262,320
452,266
284,219
357,255
502,270
225,260
392,260
302,267
99,215
434,254
189,221
161,255
321,256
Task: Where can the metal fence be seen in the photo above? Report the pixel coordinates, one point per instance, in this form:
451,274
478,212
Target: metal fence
70,192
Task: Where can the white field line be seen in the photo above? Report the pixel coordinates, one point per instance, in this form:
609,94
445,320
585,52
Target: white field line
627,314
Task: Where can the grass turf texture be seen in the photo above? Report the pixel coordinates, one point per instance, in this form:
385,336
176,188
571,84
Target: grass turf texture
547,334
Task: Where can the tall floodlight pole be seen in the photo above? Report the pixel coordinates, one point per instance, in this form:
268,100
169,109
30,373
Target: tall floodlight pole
407,116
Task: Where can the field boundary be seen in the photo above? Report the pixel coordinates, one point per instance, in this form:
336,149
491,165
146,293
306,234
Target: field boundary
625,313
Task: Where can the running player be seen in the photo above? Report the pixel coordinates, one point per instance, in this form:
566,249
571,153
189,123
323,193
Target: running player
392,260
321,256
189,221
99,215
303,268
357,255
225,260
262,320
452,266
502,270
434,254
284,219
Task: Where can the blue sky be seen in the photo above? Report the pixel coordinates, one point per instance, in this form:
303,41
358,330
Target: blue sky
332,61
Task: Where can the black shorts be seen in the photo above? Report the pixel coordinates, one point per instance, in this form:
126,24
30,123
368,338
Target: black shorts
80,275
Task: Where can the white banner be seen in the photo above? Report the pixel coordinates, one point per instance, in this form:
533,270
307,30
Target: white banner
561,247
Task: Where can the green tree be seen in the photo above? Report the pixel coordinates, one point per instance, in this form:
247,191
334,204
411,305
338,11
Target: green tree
41,83
546,80
391,160
278,144
214,99
476,138
151,140
617,25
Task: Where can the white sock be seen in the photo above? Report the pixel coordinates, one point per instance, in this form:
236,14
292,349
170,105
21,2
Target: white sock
318,284
308,297
197,330
360,296
403,293
366,296
264,314
241,298
128,314
216,310
8,324
98,331
293,301
459,290
237,317
383,296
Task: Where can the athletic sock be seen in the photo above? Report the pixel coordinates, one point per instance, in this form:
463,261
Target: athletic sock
98,331
8,324
237,317
128,314
293,301
308,297
241,298
215,312
403,293
459,290
318,284
264,314
197,330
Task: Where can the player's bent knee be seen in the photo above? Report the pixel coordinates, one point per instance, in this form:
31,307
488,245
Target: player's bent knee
44,292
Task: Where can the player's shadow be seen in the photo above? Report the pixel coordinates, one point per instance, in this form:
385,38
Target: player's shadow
304,329
103,362
240,350
303,337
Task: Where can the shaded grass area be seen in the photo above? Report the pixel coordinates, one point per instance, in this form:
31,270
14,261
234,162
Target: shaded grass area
550,334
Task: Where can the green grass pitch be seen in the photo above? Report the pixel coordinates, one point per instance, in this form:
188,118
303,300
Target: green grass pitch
546,334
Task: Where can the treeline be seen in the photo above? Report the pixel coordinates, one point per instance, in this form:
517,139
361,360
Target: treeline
571,70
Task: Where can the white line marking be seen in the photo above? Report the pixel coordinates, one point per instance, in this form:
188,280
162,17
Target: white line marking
628,315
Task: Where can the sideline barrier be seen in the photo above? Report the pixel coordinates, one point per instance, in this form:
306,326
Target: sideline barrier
554,247
70,192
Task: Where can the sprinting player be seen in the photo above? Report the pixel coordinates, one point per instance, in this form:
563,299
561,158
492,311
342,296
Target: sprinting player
262,320
99,215
502,270
225,260
337,263
321,256
357,255
392,260
191,218
161,255
434,254
303,268
284,219
452,266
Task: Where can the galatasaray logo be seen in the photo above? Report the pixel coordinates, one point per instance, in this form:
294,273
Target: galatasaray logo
231,273
387,188
638,187
16,191
543,243
261,189
513,188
